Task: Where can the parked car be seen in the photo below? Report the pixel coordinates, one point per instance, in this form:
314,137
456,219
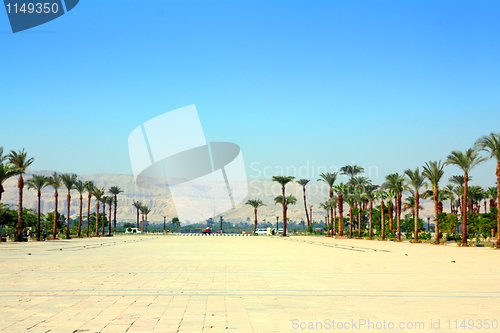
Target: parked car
207,231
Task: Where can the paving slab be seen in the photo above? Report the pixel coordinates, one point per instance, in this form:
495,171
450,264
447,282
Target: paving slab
168,283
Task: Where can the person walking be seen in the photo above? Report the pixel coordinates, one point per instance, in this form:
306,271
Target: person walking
44,235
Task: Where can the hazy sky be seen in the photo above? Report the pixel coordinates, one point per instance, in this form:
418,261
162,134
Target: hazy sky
383,84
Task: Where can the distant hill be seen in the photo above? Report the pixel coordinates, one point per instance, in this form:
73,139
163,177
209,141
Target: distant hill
162,205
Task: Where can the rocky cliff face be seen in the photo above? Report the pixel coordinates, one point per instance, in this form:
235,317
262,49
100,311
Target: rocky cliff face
161,204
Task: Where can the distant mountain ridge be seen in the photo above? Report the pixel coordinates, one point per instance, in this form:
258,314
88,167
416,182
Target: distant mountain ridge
161,203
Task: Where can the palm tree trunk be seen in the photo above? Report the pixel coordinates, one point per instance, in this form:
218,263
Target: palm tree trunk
20,185
359,221
97,218
116,202
334,221
327,223
80,217
436,219
284,211
54,228
371,211
382,219
142,223
38,218
398,216
341,213
146,223
255,222
331,214
464,217
498,208
350,221
88,216
416,216
305,206
68,202
103,217
137,218
391,210
311,214
109,225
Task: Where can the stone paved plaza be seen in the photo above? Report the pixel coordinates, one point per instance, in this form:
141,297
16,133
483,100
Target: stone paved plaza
171,283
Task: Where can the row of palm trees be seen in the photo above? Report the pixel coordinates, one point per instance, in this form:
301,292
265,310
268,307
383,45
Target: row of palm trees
17,163
359,192
144,211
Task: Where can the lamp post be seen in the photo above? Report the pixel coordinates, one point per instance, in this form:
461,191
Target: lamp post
221,225
164,224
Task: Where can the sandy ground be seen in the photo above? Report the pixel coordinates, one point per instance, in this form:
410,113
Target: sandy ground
141,283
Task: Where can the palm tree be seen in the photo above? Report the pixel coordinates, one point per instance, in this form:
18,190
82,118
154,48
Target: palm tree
409,204
289,200
20,161
390,207
459,182
283,180
115,190
55,181
416,180
326,206
69,182
144,211
371,195
256,204
98,193
396,183
334,201
492,194
137,205
351,170
89,186
449,191
110,200
6,171
382,195
491,144
433,170
104,201
340,189
303,183
142,214
465,161
38,183
359,196
80,188
3,157
329,178
349,198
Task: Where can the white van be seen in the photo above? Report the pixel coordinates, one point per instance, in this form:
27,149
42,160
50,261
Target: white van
261,231
133,231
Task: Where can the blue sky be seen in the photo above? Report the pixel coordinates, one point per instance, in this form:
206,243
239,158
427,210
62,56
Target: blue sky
387,84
